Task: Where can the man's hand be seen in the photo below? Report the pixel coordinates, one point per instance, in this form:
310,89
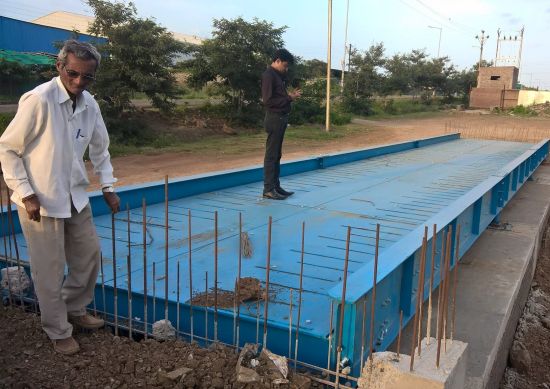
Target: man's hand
295,94
112,200
32,206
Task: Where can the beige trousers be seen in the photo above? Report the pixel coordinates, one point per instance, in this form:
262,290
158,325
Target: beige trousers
52,243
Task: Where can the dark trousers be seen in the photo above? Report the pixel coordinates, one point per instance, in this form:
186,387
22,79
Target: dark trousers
275,125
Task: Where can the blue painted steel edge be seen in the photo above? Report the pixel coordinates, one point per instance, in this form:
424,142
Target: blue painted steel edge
360,282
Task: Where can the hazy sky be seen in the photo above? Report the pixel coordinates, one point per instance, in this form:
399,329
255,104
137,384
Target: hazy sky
401,24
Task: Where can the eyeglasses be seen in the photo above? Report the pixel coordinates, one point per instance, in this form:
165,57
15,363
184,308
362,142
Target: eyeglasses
75,74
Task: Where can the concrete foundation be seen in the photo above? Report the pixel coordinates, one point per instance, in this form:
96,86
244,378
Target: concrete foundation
386,371
493,283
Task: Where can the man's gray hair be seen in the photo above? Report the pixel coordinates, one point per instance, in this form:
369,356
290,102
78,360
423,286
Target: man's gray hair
81,50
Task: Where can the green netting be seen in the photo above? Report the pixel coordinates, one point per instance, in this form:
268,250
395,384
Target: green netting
26,58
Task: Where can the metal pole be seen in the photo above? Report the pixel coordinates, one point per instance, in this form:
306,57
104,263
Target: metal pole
345,48
432,267
129,274
268,264
178,302
373,300
189,238
300,296
329,49
290,325
342,310
215,276
145,291
455,280
237,324
166,248
399,332
115,297
206,309
330,333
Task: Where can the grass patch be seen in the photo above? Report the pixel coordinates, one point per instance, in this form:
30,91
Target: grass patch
5,119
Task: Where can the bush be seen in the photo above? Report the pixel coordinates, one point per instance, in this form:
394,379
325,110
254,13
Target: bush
523,111
129,131
5,119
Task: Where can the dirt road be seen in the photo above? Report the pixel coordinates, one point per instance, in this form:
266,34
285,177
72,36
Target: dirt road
146,168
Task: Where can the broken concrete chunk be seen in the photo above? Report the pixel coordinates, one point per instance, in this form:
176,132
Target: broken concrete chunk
163,330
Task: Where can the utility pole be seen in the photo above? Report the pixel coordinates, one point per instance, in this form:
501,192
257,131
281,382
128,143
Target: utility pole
439,45
482,39
498,43
327,115
345,49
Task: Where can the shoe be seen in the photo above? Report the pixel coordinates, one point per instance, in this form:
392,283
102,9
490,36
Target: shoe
67,346
86,321
284,192
274,195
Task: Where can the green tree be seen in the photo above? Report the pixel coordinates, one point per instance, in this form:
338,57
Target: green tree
236,57
137,57
365,79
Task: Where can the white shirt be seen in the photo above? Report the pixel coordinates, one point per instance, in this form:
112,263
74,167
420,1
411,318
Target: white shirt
43,147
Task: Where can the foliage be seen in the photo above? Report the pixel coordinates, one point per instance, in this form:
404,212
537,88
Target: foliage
364,80
16,79
5,119
521,110
136,58
236,57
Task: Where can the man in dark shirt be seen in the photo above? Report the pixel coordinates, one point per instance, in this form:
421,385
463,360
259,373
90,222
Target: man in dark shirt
276,101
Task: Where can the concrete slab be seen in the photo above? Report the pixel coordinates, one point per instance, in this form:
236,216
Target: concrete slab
494,280
386,371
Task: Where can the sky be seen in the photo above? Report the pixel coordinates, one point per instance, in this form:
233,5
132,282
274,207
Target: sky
402,25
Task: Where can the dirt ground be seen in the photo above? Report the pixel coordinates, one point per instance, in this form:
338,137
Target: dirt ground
530,355
147,168
105,361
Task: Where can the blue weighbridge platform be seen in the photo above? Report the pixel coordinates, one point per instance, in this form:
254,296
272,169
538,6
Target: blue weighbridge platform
404,187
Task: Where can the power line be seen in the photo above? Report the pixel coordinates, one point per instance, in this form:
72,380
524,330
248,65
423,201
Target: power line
437,20
445,17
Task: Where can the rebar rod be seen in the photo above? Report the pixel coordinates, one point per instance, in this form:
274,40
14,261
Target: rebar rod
446,292
215,276
330,329
363,330
238,291
154,292
257,321
290,325
178,300
455,280
416,313
165,247
103,286
300,296
373,301
441,308
342,309
267,268
115,294
441,277
432,267
18,259
145,291
189,249
4,231
399,332
421,291
129,274
206,308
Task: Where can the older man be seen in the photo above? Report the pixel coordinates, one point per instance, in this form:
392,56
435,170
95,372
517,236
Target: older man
41,153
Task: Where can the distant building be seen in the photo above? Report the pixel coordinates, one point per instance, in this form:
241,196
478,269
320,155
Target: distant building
497,87
71,21
42,34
